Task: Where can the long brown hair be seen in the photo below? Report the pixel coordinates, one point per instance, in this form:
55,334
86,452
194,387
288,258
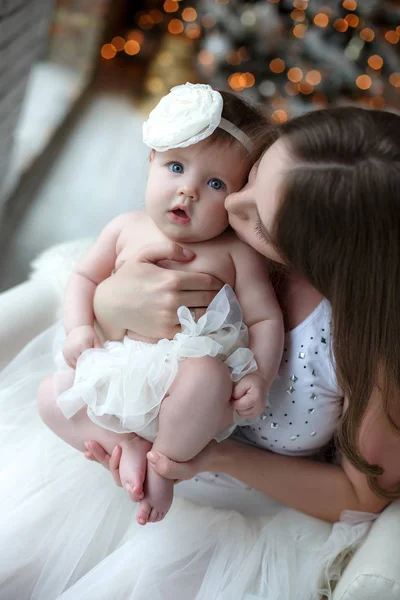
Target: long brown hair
339,226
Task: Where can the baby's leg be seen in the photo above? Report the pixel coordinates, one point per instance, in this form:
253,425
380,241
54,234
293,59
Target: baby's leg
79,428
196,409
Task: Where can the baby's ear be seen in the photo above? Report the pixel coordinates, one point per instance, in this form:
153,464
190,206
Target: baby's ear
151,155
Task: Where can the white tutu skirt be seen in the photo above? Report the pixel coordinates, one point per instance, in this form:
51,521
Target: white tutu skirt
68,532
124,383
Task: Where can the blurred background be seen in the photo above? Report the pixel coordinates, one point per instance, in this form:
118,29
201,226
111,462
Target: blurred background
78,78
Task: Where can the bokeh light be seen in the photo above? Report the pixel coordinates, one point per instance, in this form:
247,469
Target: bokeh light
108,51
277,65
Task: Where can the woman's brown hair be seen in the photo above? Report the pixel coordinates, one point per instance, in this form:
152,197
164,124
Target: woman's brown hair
339,226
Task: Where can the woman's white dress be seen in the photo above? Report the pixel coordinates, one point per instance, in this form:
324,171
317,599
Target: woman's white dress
66,530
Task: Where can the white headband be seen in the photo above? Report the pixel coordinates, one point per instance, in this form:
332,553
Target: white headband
187,115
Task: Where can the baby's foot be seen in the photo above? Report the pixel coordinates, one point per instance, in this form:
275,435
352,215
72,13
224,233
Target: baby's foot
158,494
132,466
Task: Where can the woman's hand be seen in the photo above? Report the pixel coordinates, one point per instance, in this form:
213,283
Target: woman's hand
96,453
206,460
144,297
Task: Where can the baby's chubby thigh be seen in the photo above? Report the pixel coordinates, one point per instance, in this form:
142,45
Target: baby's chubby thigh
198,403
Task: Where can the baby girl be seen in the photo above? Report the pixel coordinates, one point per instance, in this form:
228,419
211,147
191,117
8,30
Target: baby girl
176,394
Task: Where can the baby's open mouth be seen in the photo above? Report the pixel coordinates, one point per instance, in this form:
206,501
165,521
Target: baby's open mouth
179,212
179,215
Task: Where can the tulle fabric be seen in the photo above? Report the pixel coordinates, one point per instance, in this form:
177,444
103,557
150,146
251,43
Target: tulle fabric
68,532
124,383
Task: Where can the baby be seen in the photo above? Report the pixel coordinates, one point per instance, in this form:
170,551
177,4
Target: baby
176,394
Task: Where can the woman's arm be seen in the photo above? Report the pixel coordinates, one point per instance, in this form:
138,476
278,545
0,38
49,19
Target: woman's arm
318,489
321,490
144,298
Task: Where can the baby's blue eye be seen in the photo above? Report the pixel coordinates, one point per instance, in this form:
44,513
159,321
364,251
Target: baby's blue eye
176,167
216,184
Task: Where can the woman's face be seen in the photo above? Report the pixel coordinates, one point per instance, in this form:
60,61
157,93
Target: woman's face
252,210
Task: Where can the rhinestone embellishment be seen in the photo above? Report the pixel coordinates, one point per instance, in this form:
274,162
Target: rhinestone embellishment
274,426
313,396
293,438
313,433
290,389
293,378
302,354
311,411
323,340
314,373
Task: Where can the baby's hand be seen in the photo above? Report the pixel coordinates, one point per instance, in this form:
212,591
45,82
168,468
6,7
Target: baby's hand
78,340
250,396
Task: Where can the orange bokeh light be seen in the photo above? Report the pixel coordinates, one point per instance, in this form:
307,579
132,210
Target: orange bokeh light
279,116
291,88
237,81
108,51
277,65
378,102
193,31
118,42
305,88
175,26
189,14
394,80
321,20
392,36
299,30
313,77
352,20
367,34
170,6
206,58
349,4
132,47
146,22
341,25
250,79
295,74
375,61
156,15
364,82
298,15
136,35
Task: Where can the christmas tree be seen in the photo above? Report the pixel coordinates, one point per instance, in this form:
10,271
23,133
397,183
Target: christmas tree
290,55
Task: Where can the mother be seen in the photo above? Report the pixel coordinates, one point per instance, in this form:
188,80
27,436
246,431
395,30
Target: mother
323,202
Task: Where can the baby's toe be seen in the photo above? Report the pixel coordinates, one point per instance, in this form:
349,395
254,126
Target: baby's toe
144,511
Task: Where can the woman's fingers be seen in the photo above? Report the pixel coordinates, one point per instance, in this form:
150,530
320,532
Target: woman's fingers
114,465
96,452
168,468
154,253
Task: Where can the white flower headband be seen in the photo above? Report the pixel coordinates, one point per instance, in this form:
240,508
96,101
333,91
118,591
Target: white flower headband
188,114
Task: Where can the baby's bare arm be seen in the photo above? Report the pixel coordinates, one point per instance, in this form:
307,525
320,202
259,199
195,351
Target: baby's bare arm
96,266
261,311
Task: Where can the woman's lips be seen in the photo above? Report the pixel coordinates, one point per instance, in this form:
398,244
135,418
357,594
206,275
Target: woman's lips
178,216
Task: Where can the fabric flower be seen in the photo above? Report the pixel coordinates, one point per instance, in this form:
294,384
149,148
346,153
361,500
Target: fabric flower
188,114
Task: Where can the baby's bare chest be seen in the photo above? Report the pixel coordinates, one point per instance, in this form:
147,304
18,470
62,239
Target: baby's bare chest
212,257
